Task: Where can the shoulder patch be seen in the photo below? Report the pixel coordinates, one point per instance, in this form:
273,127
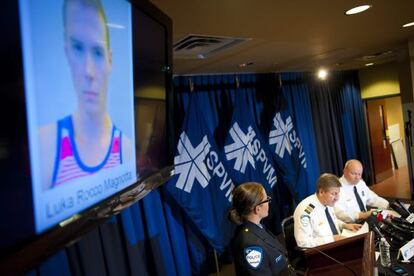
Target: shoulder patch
304,220
253,256
309,208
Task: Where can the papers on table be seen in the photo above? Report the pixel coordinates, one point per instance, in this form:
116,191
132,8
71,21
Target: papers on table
362,230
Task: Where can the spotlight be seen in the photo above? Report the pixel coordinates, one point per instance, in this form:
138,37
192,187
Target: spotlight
322,74
358,9
408,24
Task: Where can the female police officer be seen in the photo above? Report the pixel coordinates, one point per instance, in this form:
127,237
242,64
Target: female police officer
256,251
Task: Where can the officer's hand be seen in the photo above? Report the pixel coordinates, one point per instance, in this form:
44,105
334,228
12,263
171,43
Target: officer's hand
364,215
352,226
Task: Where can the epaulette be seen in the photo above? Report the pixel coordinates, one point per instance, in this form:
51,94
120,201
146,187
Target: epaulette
309,208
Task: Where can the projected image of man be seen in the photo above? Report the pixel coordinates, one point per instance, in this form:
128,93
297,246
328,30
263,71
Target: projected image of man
87,140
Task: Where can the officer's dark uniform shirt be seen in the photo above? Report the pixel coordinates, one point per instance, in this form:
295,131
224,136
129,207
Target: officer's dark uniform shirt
257,252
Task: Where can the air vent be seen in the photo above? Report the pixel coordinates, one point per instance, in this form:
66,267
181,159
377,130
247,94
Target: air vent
200,46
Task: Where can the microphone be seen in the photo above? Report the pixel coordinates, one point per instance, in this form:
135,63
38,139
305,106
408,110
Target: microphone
394,240
411,208
402,205
403,223
332,258
404,231
400,210
389,231
372,222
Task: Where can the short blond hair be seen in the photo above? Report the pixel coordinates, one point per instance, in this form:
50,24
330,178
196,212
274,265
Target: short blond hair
97,5
327,181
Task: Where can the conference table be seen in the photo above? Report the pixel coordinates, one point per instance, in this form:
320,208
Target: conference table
354,255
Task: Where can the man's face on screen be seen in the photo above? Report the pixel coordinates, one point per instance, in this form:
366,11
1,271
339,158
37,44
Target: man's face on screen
88,55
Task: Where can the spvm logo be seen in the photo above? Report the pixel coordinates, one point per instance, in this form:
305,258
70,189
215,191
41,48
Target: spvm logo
246,148
189,163
202,164
284,138
241,148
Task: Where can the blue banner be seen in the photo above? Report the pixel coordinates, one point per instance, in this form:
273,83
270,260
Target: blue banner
289,154
246,151
247,155
201,184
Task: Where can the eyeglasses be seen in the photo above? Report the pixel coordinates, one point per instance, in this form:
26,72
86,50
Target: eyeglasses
268,199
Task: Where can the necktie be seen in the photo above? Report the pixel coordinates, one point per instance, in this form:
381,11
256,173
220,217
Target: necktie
360,204
330,221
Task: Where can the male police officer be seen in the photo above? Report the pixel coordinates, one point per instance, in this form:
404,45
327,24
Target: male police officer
314,220
355,195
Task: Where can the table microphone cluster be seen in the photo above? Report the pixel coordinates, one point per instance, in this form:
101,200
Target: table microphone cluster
397,231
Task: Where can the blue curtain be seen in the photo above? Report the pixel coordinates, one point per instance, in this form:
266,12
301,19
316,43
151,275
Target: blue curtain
353,122
145,239
296,94
339,121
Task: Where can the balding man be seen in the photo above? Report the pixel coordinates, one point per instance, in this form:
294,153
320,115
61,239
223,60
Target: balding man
355,195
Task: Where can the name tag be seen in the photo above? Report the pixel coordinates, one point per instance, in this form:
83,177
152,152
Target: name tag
407,251
278,259
410,218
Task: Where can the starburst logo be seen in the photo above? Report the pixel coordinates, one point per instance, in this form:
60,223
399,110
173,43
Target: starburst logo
242,147
280,135
189,163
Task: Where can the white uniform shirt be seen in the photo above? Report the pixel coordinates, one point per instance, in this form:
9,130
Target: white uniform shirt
347,208
311,225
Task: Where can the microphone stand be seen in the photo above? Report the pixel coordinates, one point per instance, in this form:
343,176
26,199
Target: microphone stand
408,145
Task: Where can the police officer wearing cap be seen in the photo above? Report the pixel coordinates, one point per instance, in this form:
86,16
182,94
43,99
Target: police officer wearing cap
256,250
315,222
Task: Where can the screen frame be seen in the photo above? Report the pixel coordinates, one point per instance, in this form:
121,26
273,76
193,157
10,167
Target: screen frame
29,253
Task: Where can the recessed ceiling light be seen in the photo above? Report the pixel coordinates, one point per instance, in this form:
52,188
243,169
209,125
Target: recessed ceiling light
369,64
358,9
408,24
322,74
